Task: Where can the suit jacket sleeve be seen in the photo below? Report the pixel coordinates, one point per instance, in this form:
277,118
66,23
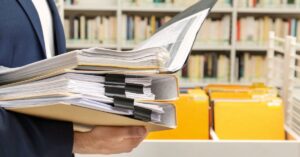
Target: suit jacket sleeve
22,135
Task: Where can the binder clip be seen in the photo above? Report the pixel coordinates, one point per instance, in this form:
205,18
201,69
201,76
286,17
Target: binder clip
115,79
142,114
134,88
125,103
114,91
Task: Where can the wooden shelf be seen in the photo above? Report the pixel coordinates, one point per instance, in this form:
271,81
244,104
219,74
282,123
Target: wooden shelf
269,10
169,9
197,47
83,45
250,47
90,8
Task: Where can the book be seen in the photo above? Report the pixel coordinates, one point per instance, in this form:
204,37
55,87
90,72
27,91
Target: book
108,87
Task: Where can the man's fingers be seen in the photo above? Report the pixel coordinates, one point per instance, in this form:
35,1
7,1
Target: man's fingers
122,133
127,145
109,140
132,142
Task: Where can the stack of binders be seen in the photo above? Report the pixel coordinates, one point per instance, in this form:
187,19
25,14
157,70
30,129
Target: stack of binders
97,86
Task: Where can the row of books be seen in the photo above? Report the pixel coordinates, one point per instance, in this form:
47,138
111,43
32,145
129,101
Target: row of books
100,29
215,31
268,3
138,28
213,66
210,66
251,67
255,30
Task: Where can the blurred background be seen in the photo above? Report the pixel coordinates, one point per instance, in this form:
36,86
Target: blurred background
240,82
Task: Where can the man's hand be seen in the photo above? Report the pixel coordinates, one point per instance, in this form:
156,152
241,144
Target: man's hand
108,140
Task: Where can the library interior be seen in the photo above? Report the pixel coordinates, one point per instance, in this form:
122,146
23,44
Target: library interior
215,81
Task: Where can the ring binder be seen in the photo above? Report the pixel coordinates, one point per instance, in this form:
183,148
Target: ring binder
125,103
142,114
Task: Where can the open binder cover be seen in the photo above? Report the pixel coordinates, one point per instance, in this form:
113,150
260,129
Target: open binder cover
165,52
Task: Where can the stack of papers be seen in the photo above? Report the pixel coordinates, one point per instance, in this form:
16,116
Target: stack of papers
106,87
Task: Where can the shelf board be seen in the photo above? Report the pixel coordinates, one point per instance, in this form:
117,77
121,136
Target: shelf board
197,47
189,84
186,84
222,10
168,9
82,45
269,10
90,8
152,9
250,46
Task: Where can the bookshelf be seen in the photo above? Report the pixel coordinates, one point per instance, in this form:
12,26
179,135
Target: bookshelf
235,11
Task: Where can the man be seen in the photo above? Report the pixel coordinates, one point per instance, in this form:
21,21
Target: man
31,30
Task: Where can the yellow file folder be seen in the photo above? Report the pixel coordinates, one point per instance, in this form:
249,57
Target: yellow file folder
192,118
256,91
249,119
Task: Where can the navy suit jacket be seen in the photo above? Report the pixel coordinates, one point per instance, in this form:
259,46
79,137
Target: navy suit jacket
21,43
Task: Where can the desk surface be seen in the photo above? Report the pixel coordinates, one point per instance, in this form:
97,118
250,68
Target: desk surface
213,149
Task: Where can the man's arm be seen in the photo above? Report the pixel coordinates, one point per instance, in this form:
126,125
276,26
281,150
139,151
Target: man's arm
22,135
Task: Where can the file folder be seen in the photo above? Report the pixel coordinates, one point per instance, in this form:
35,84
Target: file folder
192,116
249,119
255,91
